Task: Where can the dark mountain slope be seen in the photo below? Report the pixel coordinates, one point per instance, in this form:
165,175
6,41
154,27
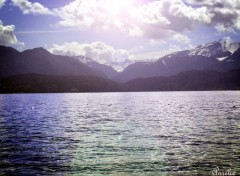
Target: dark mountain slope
190,81
194,80
109,71
35,83
41,61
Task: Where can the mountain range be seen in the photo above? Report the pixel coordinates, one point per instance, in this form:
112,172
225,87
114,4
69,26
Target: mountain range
220,55
213,62
41,61
109,71
195,80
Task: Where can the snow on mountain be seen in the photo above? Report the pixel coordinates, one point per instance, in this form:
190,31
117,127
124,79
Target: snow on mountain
83,59
106,69
229,45
219,49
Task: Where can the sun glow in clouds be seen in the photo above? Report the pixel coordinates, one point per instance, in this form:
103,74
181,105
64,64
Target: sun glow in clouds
115,7
116,12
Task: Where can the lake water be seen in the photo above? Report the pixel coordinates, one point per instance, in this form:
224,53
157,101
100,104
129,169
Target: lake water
155,133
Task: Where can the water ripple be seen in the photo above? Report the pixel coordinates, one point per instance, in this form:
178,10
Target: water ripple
158,133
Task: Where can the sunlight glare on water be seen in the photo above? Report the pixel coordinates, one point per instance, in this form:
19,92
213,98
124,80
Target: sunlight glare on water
157,133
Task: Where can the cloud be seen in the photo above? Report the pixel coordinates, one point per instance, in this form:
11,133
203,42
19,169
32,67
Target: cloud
2,3
82,13
181,38
7,36
98,51
31,8
162,19
95,14
225,13
155,20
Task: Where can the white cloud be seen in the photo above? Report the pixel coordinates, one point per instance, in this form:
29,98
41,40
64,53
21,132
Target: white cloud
154,19
7,36
225,13
2,3
98,51
181,38
88,13
28,7
171,16
222,28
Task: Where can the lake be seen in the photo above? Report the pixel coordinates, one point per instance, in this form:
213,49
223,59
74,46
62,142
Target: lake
144,133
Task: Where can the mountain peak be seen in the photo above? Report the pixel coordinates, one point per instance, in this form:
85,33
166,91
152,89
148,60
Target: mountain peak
39,50
223,47
7,49
229,45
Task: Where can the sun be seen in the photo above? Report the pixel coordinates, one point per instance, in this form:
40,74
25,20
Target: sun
115,7
116,13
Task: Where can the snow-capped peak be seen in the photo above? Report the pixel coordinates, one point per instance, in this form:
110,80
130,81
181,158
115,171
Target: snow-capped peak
229,45
221,48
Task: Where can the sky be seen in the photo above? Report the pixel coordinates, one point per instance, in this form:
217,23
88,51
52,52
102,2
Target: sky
117,32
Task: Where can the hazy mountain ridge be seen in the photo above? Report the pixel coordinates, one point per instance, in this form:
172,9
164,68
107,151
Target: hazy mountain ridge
36,83
37,70
221,55
40,61
194,80
109,71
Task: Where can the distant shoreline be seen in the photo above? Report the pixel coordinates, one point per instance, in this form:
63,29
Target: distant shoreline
194,80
